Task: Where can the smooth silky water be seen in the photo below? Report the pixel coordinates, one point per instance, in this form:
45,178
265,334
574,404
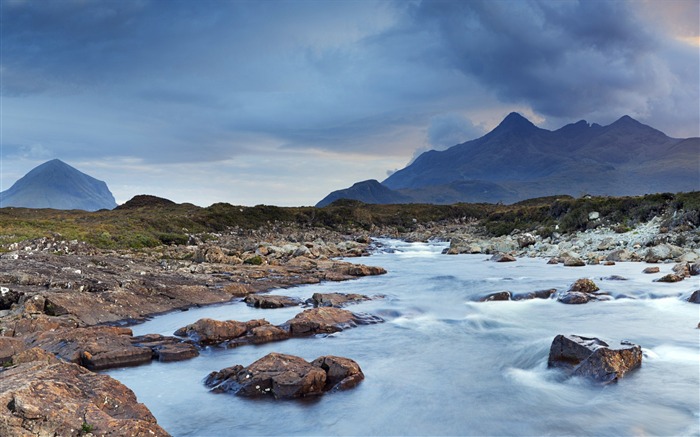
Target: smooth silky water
443,364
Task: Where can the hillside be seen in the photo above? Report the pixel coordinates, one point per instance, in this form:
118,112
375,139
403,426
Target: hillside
517,160
57,185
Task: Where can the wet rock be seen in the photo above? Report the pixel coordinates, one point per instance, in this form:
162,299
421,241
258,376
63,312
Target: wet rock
336,300
500,295
614,278
341,373
96,348
539,294
278,375
211,332
584,285
682,269
287,376
271,301
593,358
502,257
694,269
574,297
166,349
649,270
694,297
58,398
326,320
671,277
266,334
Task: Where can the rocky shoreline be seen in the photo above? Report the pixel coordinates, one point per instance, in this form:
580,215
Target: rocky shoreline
65,306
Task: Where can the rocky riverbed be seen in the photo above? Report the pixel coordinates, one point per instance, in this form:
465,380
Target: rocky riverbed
65,305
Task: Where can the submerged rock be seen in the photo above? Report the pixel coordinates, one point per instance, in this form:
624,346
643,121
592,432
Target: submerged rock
574,297
500,295
671,277
336,300
593,358
539,294
502,257
694,297
649,270
286,376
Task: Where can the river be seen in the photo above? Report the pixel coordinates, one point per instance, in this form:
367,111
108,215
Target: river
443,364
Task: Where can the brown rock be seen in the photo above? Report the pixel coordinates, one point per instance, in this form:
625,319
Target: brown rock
166,349
502,257
326,320
209,331
671,277
341,373
57,399
278,375
584,285
574,298
539,294
271,301
8,347
592,358
651,270
96,348
574,262
34,354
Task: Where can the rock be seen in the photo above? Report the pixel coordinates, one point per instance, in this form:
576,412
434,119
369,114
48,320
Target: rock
539,294
500,295
502,257
526,240
266,334
8,347
326,320
336,300
58,398
341,373
574,262
671,277
278,375
615,278
553,260
651,270
609,263
574,297
213,332
593,215
662,252
97,348
166,349
619,255
694,297
584,285
694,269
8,297
34,354
271,301
592,358
287,376
682,269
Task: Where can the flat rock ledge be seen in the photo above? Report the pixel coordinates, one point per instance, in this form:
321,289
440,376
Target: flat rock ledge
42,396
593,358
284,376
232,333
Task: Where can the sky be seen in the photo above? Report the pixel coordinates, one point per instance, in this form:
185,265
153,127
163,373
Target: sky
281,102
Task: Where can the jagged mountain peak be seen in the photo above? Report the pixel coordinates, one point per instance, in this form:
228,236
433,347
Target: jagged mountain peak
515,122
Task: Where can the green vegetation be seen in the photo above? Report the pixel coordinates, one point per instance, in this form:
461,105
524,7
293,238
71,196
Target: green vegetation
150,222
86,428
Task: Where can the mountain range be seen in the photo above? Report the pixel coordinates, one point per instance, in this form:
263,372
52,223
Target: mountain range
518,160
57,185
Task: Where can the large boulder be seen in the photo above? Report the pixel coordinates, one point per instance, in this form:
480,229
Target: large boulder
286,376
502,257
46,399
584,285
694,297
326,320
593,358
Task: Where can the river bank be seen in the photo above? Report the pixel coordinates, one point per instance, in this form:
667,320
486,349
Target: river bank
59,298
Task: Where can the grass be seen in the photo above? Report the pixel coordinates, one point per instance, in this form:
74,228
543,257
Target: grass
151,222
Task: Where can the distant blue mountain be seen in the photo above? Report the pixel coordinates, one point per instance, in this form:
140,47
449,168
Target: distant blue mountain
518,161
57,185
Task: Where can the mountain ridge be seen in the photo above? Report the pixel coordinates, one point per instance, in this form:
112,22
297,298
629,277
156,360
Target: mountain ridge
518,160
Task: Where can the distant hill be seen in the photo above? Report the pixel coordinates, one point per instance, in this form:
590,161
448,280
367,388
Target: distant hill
370,191
518,161
57,185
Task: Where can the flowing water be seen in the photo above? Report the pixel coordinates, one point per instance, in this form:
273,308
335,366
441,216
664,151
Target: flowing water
442,364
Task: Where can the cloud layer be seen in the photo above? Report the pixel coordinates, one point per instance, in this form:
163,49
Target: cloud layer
282,102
